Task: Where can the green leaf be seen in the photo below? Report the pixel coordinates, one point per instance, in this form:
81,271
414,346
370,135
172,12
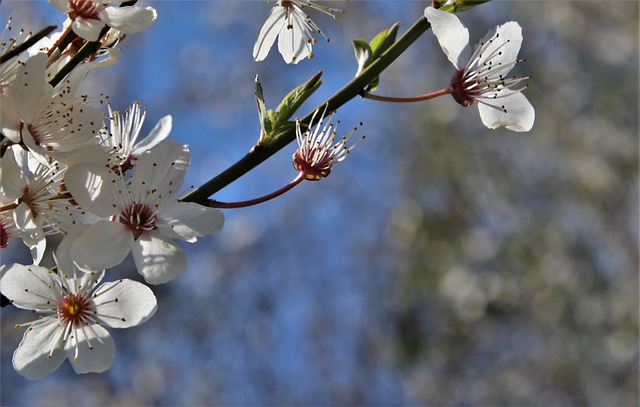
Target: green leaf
381,42
263,113
455,6
296,97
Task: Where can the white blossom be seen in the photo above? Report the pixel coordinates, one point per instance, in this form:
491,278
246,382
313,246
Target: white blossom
124,130
141,214
317,151
40,207
481,75
73,316
294,29
48,120
88,17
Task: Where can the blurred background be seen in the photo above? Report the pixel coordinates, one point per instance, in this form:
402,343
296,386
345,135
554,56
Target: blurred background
441,264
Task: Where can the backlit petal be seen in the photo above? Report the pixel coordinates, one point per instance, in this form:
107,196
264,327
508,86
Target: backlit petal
124,303
129,20
87,28
293,44
158,258
30,287
275,23
103,245
159,133
163,167
189,220
452,35
40,351
92,186
519,115
92,351
502,44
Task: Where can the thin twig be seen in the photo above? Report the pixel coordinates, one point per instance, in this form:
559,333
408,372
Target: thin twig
28,43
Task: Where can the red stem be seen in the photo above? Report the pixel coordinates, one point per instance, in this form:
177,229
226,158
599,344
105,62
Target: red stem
426,96
251,202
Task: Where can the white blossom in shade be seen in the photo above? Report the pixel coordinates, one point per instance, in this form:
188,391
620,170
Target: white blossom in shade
123,133
141,214
36,243
8,41
47,120
39,206
295,31
481,75
8,228
88,17
317,151
74,312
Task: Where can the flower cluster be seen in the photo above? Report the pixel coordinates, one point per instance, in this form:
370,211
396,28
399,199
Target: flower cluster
71,165
68,169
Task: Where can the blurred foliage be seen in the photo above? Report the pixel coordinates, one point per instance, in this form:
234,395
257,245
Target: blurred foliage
519,271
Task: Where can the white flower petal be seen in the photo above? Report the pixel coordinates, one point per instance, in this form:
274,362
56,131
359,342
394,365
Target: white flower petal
293,43
189,220
103,245
88,153
519,115
92,351
504,48
34,357
159,133
14,179
158,258
63,251
124,303
30,287
82,283
452,35
9,118
163,167
87,28
37,246
62,5
30,86
129,20
92,186
25,221
274,24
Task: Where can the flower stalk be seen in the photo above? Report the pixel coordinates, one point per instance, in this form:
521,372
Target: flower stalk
410,99
251,202
28,43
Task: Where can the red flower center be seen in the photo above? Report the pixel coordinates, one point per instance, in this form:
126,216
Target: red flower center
459,91
75,309
139,218
314,167
4,237
85,9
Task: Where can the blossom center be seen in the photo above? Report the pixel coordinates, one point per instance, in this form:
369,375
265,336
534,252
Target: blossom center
314,164
37,136
138,218
4,236
75,308
460,91
86,9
